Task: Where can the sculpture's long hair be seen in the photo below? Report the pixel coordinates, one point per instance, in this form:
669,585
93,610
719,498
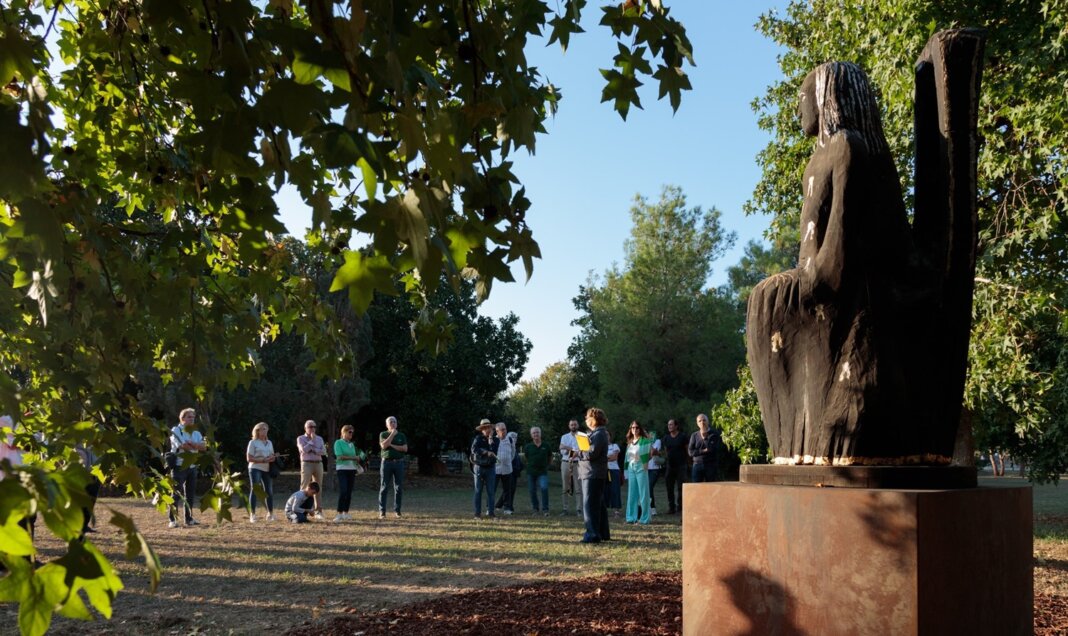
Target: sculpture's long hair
846,101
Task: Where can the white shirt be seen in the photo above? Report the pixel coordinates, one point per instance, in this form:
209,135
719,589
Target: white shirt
654,461
568,441
260,448
179,436
613,464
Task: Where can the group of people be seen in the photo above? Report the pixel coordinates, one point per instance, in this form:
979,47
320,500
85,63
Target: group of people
496,463
593,469
305,504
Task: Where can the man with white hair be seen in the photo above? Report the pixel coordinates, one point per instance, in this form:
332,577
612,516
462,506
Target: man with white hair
186,443
569,456
394,446
537,457
312,449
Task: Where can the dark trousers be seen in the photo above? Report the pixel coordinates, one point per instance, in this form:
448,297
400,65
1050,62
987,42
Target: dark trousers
92,489
704,471
594,512
392,471
485,480
346,479
185,488
675,477
506,486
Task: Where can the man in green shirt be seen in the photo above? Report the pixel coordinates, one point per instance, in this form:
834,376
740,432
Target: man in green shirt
537,457
394,446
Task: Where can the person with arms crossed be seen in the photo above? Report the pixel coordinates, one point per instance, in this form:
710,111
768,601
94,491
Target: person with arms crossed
312,450
186,442
538,456
484,450
674,445
260,454
704,449
347,455
394,446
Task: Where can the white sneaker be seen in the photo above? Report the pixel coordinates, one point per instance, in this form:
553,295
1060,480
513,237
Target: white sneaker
652,512
507,512
252,518
319,516
270,516
339,517
172,524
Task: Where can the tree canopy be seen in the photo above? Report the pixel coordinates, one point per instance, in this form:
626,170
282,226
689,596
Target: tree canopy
1017,387
144,142
661,341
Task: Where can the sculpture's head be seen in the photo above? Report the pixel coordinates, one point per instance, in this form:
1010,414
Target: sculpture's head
837,96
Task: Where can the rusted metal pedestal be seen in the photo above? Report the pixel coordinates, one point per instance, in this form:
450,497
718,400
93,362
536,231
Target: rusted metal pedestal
760,559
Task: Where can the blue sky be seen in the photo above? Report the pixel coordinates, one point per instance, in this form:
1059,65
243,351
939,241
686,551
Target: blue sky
591,164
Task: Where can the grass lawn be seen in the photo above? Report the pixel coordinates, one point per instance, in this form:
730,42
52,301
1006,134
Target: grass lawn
244,578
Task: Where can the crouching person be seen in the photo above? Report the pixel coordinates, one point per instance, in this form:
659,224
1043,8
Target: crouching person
301,503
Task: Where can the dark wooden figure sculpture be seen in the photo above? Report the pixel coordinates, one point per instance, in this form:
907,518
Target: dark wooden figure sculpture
859,354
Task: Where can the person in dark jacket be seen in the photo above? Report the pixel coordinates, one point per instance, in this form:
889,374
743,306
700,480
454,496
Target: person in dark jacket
484,457
675,444
593,478
703,449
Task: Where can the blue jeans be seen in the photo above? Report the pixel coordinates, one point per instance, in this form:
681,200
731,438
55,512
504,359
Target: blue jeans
346,479
538,483
594,513
257,476
392,470
485,479
185,488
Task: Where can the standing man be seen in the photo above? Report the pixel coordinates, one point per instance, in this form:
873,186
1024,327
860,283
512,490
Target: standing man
593,477
506,450
674,446
703,448
312,448
568,459
538,456
394,446
484,457
186,443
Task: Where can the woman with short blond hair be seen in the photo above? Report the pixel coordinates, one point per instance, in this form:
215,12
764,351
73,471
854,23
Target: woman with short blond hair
347,455
260,454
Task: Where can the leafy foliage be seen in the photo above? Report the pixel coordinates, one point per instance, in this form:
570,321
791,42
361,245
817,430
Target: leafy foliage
1020,335
144,142
659,340
738,418
550,400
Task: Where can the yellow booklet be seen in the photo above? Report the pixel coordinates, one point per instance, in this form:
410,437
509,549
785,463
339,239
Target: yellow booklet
583,441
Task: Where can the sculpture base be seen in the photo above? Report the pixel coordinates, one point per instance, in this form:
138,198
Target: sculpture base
784,560
908,477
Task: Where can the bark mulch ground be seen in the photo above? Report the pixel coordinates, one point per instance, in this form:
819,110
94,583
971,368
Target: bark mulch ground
633,604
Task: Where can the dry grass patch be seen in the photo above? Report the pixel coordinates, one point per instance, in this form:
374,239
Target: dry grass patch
242,578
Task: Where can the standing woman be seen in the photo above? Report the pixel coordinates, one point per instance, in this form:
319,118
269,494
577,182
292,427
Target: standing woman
615,478
346,454
638,454
260,454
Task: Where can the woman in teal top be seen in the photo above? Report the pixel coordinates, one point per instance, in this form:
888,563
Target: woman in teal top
347,455
639,450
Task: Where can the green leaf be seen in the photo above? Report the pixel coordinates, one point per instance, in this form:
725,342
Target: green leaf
622,89
361,276
137,545
672,82
370,179
14,539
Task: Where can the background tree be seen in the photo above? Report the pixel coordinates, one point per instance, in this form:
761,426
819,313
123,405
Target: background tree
549,401
1017,376
144,143
661,342
439,398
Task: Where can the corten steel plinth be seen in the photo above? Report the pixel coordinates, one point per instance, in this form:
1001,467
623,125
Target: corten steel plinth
761,559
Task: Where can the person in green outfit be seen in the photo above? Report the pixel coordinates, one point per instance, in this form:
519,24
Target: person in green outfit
394,447
537,457
639,450
347,467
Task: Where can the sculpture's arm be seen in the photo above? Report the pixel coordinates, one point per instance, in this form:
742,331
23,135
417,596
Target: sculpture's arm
837,195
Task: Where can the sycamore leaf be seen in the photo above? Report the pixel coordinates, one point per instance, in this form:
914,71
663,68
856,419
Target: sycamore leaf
621,88
14,539
562,28
362,275
137,545
672,82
